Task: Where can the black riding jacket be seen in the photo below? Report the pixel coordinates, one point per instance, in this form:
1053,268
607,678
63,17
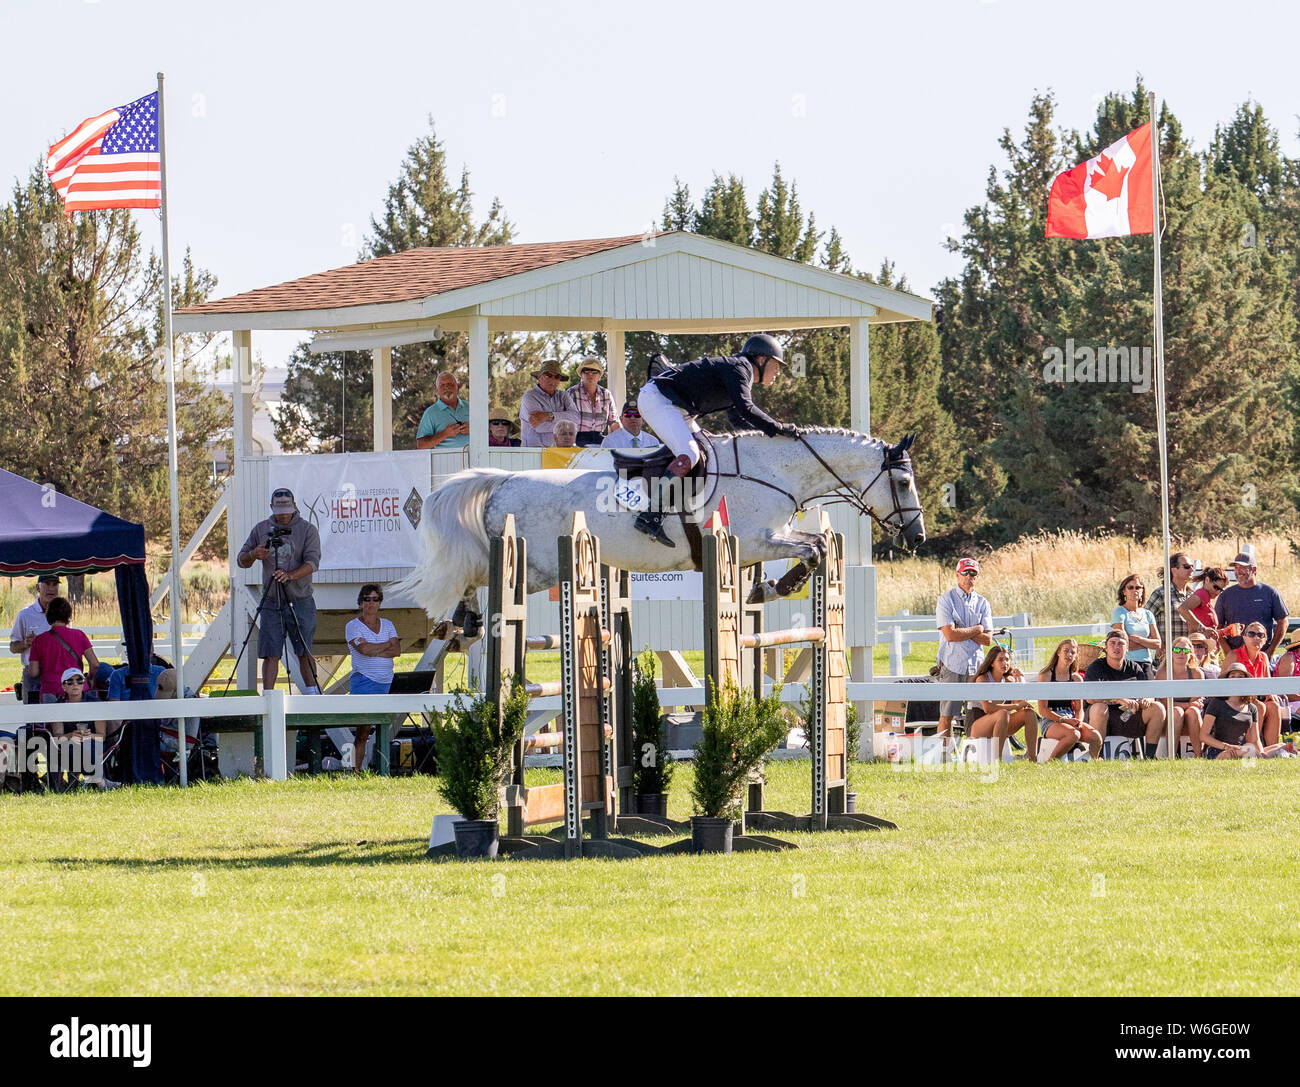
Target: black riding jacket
716,384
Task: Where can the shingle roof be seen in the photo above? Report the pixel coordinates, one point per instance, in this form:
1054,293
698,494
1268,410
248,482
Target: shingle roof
407,276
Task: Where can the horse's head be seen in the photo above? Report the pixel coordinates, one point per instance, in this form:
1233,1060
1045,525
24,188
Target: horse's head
893,497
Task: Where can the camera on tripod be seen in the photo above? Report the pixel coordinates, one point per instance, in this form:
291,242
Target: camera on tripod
276,536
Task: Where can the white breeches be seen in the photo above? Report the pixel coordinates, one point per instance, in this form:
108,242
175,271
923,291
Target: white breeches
675,428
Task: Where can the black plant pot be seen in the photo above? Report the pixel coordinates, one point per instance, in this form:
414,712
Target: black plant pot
652,804
850,802
710,835
476,838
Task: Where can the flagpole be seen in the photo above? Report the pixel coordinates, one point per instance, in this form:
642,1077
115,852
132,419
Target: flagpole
1158,320
174,573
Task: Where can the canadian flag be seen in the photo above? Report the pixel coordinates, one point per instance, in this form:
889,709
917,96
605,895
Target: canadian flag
1108,196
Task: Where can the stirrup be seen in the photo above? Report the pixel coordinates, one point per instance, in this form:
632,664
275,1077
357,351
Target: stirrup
652,524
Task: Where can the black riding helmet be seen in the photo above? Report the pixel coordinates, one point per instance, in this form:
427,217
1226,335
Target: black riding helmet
763,344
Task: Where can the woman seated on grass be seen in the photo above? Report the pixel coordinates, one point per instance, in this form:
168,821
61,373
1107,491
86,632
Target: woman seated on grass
1000,720
1062,719
1231,729
1187,711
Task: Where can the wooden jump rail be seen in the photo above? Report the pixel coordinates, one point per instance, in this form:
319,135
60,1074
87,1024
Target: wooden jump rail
595,685
734,641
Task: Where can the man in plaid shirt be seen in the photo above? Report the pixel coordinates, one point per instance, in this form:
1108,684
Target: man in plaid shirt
1180,573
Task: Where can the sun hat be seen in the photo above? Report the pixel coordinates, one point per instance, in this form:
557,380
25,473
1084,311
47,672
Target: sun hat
550,366
502,414
591,362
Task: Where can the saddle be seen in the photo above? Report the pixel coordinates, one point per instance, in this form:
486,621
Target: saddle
651,465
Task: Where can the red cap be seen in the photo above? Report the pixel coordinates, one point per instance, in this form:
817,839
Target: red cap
968,566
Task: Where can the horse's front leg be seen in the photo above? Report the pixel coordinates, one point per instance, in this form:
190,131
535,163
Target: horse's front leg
808,547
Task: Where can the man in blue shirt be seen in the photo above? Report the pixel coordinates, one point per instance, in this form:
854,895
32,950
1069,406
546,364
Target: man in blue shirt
445,422
1250,601
965,622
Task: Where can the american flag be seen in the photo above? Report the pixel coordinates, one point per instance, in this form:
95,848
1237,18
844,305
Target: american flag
110,161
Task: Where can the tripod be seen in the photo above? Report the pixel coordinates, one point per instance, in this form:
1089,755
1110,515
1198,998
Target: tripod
282,604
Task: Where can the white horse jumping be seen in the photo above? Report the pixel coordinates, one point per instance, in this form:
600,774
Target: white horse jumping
765,481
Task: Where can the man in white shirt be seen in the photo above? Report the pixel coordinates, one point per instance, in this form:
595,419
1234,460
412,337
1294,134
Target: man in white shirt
631,434
30,622
965,622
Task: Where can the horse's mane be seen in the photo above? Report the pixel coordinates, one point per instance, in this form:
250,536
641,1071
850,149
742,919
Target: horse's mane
830,431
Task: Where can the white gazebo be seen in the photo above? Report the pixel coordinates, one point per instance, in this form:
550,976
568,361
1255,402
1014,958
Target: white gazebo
674,282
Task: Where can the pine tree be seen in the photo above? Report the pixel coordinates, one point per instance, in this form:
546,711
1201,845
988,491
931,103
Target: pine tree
422,208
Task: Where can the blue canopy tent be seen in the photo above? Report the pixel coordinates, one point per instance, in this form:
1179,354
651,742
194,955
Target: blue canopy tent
45,532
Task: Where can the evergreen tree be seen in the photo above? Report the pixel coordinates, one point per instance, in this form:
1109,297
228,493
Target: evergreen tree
422,208
1044,453
80,328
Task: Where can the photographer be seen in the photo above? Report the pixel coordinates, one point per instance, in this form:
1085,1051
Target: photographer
289,549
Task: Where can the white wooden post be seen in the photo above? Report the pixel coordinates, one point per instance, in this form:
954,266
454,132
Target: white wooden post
860,415
241,376
381,366
274,758
479,392
616,361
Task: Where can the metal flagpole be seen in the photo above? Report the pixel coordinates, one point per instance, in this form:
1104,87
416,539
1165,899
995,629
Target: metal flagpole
1158,319
174,573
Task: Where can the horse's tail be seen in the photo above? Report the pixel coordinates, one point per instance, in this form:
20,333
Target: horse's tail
453,541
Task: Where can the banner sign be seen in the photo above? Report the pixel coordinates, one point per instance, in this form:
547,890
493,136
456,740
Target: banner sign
366,506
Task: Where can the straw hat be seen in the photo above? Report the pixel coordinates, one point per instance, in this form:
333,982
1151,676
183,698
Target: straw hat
550,366
500,413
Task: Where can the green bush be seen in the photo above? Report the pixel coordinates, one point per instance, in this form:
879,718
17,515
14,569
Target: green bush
738,732
474,750
652,768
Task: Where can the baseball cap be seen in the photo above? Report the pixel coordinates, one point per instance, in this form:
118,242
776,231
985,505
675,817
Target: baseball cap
1235,669
72,673
1245,557
1117,634
48,577
968,566
629,405
282,501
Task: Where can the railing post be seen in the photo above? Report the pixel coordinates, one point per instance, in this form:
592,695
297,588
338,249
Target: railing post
896,651
274,727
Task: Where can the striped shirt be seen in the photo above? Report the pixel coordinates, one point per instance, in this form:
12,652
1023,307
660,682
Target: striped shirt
594,412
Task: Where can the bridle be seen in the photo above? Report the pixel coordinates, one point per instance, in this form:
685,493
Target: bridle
892,461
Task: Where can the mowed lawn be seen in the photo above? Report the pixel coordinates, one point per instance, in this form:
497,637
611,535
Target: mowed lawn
1117,878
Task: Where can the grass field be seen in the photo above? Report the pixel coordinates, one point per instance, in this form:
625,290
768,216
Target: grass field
1100,878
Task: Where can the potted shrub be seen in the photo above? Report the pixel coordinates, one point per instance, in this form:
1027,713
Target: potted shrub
738,732
474,740
652,768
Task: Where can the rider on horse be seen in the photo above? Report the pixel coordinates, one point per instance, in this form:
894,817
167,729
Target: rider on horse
671,401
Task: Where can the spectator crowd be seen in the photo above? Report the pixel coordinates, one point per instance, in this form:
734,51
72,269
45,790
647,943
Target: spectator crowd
559,411
1221,626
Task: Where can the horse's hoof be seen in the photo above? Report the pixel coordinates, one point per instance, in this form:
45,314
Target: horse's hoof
762,592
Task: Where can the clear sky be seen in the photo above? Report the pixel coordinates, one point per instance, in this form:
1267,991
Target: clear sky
287,121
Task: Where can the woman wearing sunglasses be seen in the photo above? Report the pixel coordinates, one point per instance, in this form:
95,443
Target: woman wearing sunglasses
1138,623
1232,724
1187,711
1252,657
1198,608
374,644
